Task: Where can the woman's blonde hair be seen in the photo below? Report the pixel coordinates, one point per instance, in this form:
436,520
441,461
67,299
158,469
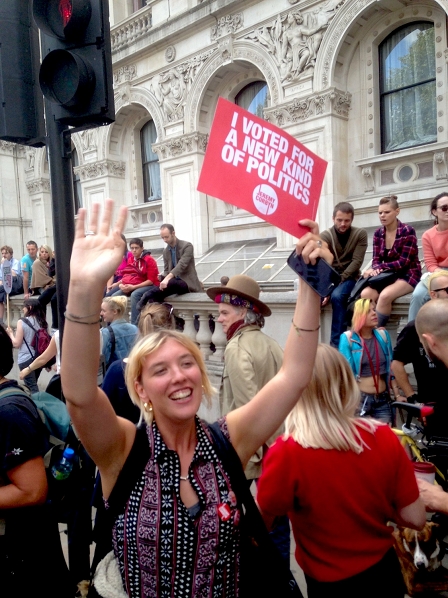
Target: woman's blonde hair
324,416
145,347
48,249
155,316
360,312
119,303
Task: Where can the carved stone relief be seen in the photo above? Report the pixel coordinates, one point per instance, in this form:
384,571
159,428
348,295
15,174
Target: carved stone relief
227,24
125,73
330,102
351,10
293,40
7,147
95,170
369,181
89,139
440,165
38,186
30,157
173,148
171,87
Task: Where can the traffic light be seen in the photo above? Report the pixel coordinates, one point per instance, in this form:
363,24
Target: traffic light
76,70
21,102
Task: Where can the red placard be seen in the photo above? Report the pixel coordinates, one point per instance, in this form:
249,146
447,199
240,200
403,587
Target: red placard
254,165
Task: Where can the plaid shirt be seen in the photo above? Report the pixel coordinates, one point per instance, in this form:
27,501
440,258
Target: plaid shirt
402,257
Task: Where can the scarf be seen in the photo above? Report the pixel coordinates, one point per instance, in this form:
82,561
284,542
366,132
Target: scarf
40,277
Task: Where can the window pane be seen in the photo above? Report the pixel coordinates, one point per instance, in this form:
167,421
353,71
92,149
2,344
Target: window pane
253,98
410,117
407,56
150,163
408,87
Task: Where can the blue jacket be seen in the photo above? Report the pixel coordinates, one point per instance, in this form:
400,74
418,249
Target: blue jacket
125,335
351,348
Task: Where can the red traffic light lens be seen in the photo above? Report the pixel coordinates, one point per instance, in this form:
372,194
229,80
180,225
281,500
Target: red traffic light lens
65,19
65,10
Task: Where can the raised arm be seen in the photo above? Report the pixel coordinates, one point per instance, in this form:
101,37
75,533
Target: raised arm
251,425
95,257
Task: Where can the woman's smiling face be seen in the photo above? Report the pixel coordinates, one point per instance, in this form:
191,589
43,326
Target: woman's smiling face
172,382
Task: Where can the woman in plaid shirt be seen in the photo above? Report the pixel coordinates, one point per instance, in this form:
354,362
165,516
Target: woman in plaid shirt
395,249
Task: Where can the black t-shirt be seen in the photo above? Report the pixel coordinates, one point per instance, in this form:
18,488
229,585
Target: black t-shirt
432,377
22,436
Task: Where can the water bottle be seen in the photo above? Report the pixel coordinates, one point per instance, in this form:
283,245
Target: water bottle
62,470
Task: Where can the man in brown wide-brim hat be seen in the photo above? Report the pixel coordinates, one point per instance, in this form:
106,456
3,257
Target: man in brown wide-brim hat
251,357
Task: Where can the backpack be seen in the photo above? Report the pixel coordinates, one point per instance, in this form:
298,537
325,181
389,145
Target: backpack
57,429
40,342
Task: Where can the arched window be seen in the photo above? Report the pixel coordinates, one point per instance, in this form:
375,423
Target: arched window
77,192
253,97
150,163
408,87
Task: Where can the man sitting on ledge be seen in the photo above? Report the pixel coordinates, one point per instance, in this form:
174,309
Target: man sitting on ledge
140,273
179,274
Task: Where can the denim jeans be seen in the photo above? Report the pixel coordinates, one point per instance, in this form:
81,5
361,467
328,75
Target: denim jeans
30,380
376,406
339,300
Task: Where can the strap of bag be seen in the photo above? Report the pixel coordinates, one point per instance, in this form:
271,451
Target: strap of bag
260,534
28,323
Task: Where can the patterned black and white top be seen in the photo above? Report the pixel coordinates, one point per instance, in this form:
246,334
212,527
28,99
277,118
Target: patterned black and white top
165,552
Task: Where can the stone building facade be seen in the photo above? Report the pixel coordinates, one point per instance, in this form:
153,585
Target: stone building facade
363,83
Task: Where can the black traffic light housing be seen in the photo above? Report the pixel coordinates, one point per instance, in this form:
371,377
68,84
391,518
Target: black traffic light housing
76,71
21,102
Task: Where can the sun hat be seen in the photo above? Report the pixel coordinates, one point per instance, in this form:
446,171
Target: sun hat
244,287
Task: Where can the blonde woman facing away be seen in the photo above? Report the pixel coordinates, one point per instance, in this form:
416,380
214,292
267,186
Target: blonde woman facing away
169,538
118,336
340,480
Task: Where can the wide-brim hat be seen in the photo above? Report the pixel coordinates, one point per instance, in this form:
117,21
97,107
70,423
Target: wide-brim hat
242,286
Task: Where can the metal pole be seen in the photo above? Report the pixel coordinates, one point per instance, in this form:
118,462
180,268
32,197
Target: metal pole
61,180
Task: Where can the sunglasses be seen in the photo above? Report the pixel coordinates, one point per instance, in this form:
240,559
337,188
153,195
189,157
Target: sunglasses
444,208
444,288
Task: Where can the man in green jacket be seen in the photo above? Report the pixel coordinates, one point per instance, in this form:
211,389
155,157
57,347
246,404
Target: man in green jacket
348,245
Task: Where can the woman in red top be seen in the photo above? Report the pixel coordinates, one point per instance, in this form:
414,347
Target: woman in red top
340,479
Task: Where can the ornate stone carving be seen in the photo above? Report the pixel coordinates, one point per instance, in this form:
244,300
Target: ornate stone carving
170,53
30,157
95,170
7,147
351,10
255,57
329,102
440,165
38,186
294,39
227,24
125,73
171,87
369,181
89,139
172,148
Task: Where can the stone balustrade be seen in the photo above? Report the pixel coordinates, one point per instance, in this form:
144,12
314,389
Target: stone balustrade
131,29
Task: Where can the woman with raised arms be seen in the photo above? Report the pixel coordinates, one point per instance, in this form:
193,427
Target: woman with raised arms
178,533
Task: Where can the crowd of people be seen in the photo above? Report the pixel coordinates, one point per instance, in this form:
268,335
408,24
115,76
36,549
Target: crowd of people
310,425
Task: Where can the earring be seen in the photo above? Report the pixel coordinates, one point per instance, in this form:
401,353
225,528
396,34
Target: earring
147,407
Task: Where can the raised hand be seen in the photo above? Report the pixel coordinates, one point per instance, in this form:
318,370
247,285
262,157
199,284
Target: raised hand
311,246
98,249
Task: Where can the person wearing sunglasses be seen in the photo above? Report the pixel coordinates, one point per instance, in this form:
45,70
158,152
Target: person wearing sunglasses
435,251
